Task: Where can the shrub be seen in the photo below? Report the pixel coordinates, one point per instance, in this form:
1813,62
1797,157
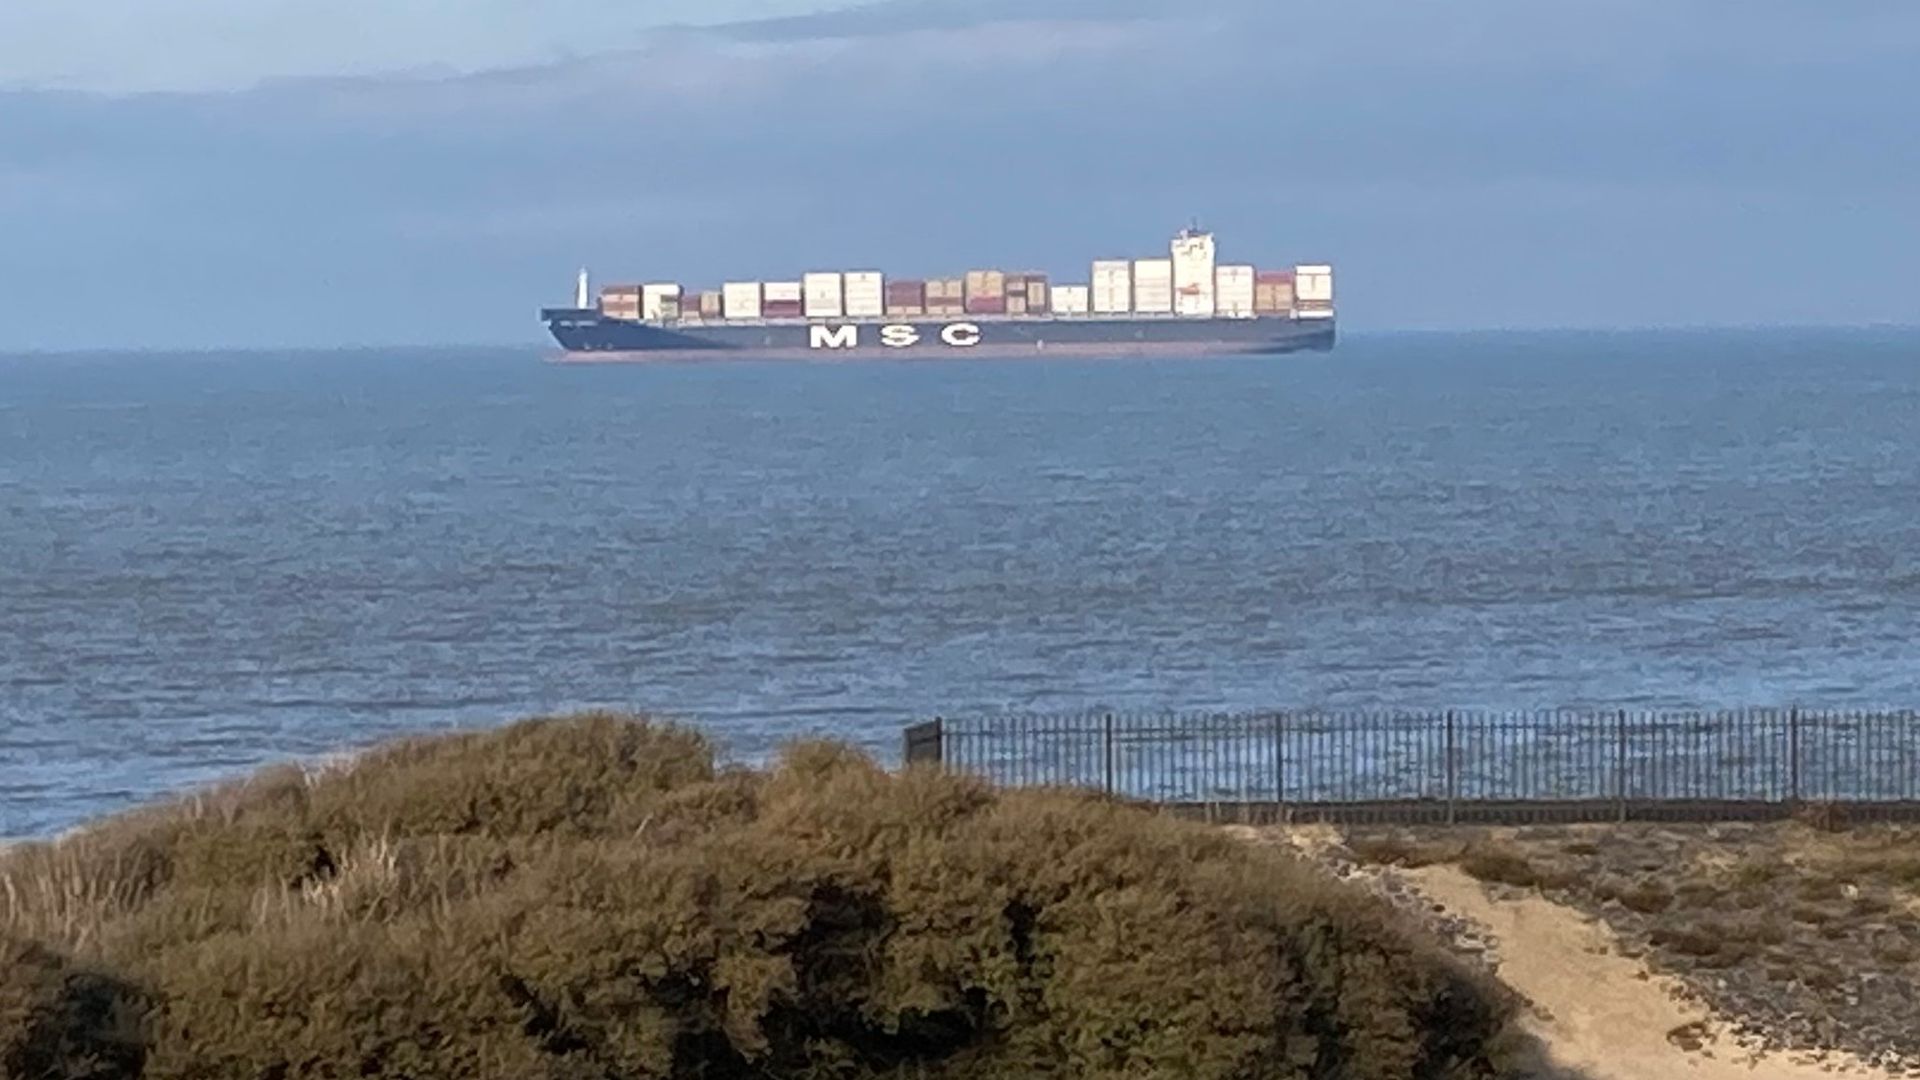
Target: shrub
593,898
61,1023
1500,866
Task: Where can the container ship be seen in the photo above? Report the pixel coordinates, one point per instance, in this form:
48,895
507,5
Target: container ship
1186,303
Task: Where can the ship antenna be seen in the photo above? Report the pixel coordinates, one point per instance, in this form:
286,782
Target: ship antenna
580,292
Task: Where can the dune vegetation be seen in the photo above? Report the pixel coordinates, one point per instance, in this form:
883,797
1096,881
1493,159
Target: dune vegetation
1805,933
594,897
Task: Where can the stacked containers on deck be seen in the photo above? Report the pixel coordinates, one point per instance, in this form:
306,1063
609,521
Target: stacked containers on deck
1233,292
1070,299
1153,286
620,302
1273,292
947,296
865,298
1112,288
1193,274
660,300
1313,291
986,292
823,292
712,304
1027,294
784,300
741,299
907,298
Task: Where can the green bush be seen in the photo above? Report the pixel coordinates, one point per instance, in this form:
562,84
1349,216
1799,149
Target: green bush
591,897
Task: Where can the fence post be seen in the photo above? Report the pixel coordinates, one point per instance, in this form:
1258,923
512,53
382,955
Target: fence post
1793,757
1453,770
1279,767
1109,753
1620,766
926,743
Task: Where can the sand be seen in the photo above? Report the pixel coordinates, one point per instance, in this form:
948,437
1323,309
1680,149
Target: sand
1601,1015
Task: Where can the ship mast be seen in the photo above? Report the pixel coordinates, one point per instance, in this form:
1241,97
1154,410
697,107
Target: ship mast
580,292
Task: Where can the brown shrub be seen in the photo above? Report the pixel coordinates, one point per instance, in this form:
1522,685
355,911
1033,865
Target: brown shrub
1501,866
61,1023
591,898
1645,897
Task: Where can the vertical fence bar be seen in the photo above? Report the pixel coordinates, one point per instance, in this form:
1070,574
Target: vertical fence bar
1109,753
1279,766
1453,770
1793,756
1620,767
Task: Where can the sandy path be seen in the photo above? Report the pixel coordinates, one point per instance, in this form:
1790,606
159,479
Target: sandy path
1601,1013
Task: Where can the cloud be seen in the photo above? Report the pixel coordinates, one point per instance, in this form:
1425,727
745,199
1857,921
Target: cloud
1488,162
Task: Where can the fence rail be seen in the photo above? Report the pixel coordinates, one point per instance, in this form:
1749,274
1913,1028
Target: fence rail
1454,765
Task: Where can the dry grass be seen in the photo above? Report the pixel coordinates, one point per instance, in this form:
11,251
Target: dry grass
592,897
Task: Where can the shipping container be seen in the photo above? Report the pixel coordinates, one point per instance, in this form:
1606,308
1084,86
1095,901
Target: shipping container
621,302
986,305
865,295
1233,291
1313,283
1112,290
985,284
1153,286
712,304
823,295
782,309
655,298
946,296
741,299
906,297
1273,299
1017,305
1070,299
779,292
1029,287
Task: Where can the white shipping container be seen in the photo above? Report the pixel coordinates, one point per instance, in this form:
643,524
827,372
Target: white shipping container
1071,299
740,299
1153,286
654,300
824,297
866,294
783,292
1313,283
1112,288
1233,291
1153,272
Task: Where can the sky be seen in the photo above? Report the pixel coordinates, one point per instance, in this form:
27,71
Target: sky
350,172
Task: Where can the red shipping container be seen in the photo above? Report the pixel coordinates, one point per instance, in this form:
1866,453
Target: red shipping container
987,305
782,309
1274,277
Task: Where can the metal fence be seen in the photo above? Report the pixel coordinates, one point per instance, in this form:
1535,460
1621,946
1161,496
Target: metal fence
1457,765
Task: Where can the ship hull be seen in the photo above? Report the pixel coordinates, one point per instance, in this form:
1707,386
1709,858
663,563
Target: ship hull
588,338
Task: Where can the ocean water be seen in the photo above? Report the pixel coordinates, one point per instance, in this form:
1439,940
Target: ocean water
208,562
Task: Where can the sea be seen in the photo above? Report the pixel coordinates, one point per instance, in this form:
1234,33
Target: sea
213,561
